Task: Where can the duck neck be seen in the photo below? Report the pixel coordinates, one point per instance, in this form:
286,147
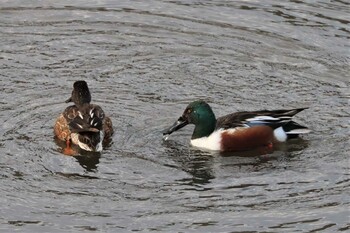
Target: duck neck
83,107
204,128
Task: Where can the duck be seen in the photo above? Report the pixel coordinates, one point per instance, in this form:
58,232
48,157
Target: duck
83,124
240,131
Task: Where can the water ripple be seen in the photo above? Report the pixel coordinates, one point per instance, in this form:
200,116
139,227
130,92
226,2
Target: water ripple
144,62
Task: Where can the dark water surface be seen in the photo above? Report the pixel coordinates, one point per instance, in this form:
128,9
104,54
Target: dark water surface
144,62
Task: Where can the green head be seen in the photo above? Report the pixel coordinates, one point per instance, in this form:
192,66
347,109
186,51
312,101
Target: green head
201,115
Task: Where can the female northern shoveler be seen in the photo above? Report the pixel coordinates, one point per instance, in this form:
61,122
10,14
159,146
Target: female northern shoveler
237,131
83,124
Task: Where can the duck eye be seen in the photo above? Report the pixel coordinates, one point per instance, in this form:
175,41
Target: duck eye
189,110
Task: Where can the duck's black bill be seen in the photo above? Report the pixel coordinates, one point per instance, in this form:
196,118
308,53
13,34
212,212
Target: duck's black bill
68,100
180,123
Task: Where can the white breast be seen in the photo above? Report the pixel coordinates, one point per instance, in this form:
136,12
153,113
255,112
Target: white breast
212,142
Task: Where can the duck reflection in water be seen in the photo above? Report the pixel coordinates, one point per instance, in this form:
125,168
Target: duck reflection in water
195,162
87,159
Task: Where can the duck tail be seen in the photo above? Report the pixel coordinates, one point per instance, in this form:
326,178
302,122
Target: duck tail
293,129
91,140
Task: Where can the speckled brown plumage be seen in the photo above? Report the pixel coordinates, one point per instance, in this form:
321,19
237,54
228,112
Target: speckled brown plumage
83,123
62,130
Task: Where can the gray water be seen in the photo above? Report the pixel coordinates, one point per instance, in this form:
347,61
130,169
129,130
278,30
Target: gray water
144,62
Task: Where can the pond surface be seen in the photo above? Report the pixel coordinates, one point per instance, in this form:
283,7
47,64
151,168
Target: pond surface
144,62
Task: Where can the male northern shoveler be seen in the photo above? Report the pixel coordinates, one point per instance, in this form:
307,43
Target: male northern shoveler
237,131
83,124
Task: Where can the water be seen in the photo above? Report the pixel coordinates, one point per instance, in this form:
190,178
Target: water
144,62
